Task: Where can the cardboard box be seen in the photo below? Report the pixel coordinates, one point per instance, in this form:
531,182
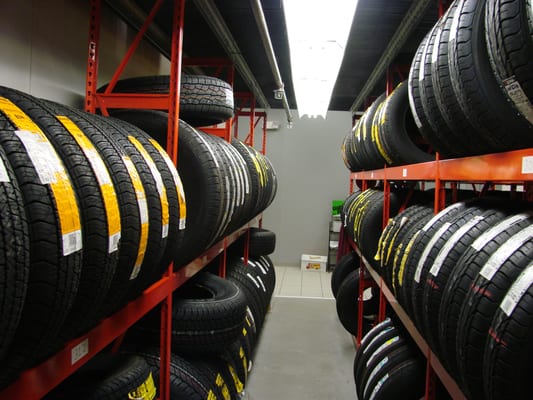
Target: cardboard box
313,263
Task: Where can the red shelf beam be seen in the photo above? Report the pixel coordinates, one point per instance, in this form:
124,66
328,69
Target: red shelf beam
509,167
36,382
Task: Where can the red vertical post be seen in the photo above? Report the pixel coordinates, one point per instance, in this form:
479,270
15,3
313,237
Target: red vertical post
360,303
264,141
252,120
222,261
430,380
91,81
172,149
246,255
390,81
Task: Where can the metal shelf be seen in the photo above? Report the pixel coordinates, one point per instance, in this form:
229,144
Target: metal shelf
34,383
508,167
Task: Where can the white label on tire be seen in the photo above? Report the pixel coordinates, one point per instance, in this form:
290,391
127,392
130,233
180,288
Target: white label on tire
486,237
450,244
380,348
4,177
501,255
517,290
229,97
378,386
519,98
43,156
377,337
427,249
375,371
527,165
441,214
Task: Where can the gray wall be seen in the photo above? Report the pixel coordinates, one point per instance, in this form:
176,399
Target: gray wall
44,48
311,174
44,52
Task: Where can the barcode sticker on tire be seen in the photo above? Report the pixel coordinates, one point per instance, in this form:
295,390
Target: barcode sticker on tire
519,97
517,290
79,351
4,177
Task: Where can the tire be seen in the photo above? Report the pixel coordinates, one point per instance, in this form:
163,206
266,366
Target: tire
415,100
99,210
508,350
375,335
413,267
461,141
55,239
457,287
189,380
14,254
253,286
405,380
346,304
508,29
262,242
208,315
348,263
397,131
171,193
369,149
485,295
109,377
461,233
428,93
265,265
124,178
496,121
204,100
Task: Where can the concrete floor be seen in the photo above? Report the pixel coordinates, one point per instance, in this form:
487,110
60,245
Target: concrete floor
303,353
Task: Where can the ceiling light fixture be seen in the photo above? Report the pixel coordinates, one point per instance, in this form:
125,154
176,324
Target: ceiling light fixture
318,32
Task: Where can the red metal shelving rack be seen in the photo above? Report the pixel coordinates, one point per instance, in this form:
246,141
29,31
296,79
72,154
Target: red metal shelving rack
512,168
36,382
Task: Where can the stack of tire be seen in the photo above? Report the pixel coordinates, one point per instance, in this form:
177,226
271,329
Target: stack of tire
226,184
471,81
388,365
345,281
93,212
464,277
386,134
216,323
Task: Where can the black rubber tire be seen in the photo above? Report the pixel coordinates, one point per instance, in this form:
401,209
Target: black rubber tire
415,100
253,286
208,314
428,94
123,177
413,269
56,261
461,141
485,295
348,263
496,120
398,136
108,376
374,335
367,141
237,361
457,287
170,190
508,30
404,380
14,254
261,242
204,100
189,380
97,200
388,336
461,233
346,304
256,181
507,364
265,266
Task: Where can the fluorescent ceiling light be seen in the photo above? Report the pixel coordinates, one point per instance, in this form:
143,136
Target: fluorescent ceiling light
318,31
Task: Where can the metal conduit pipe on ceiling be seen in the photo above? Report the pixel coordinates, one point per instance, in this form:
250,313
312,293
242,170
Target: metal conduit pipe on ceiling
214,19
408,24
260,19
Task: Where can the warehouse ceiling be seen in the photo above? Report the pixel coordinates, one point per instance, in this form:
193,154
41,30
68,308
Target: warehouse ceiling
375,25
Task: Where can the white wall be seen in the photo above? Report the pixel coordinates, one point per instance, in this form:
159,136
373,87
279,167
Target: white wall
44,45
311,174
